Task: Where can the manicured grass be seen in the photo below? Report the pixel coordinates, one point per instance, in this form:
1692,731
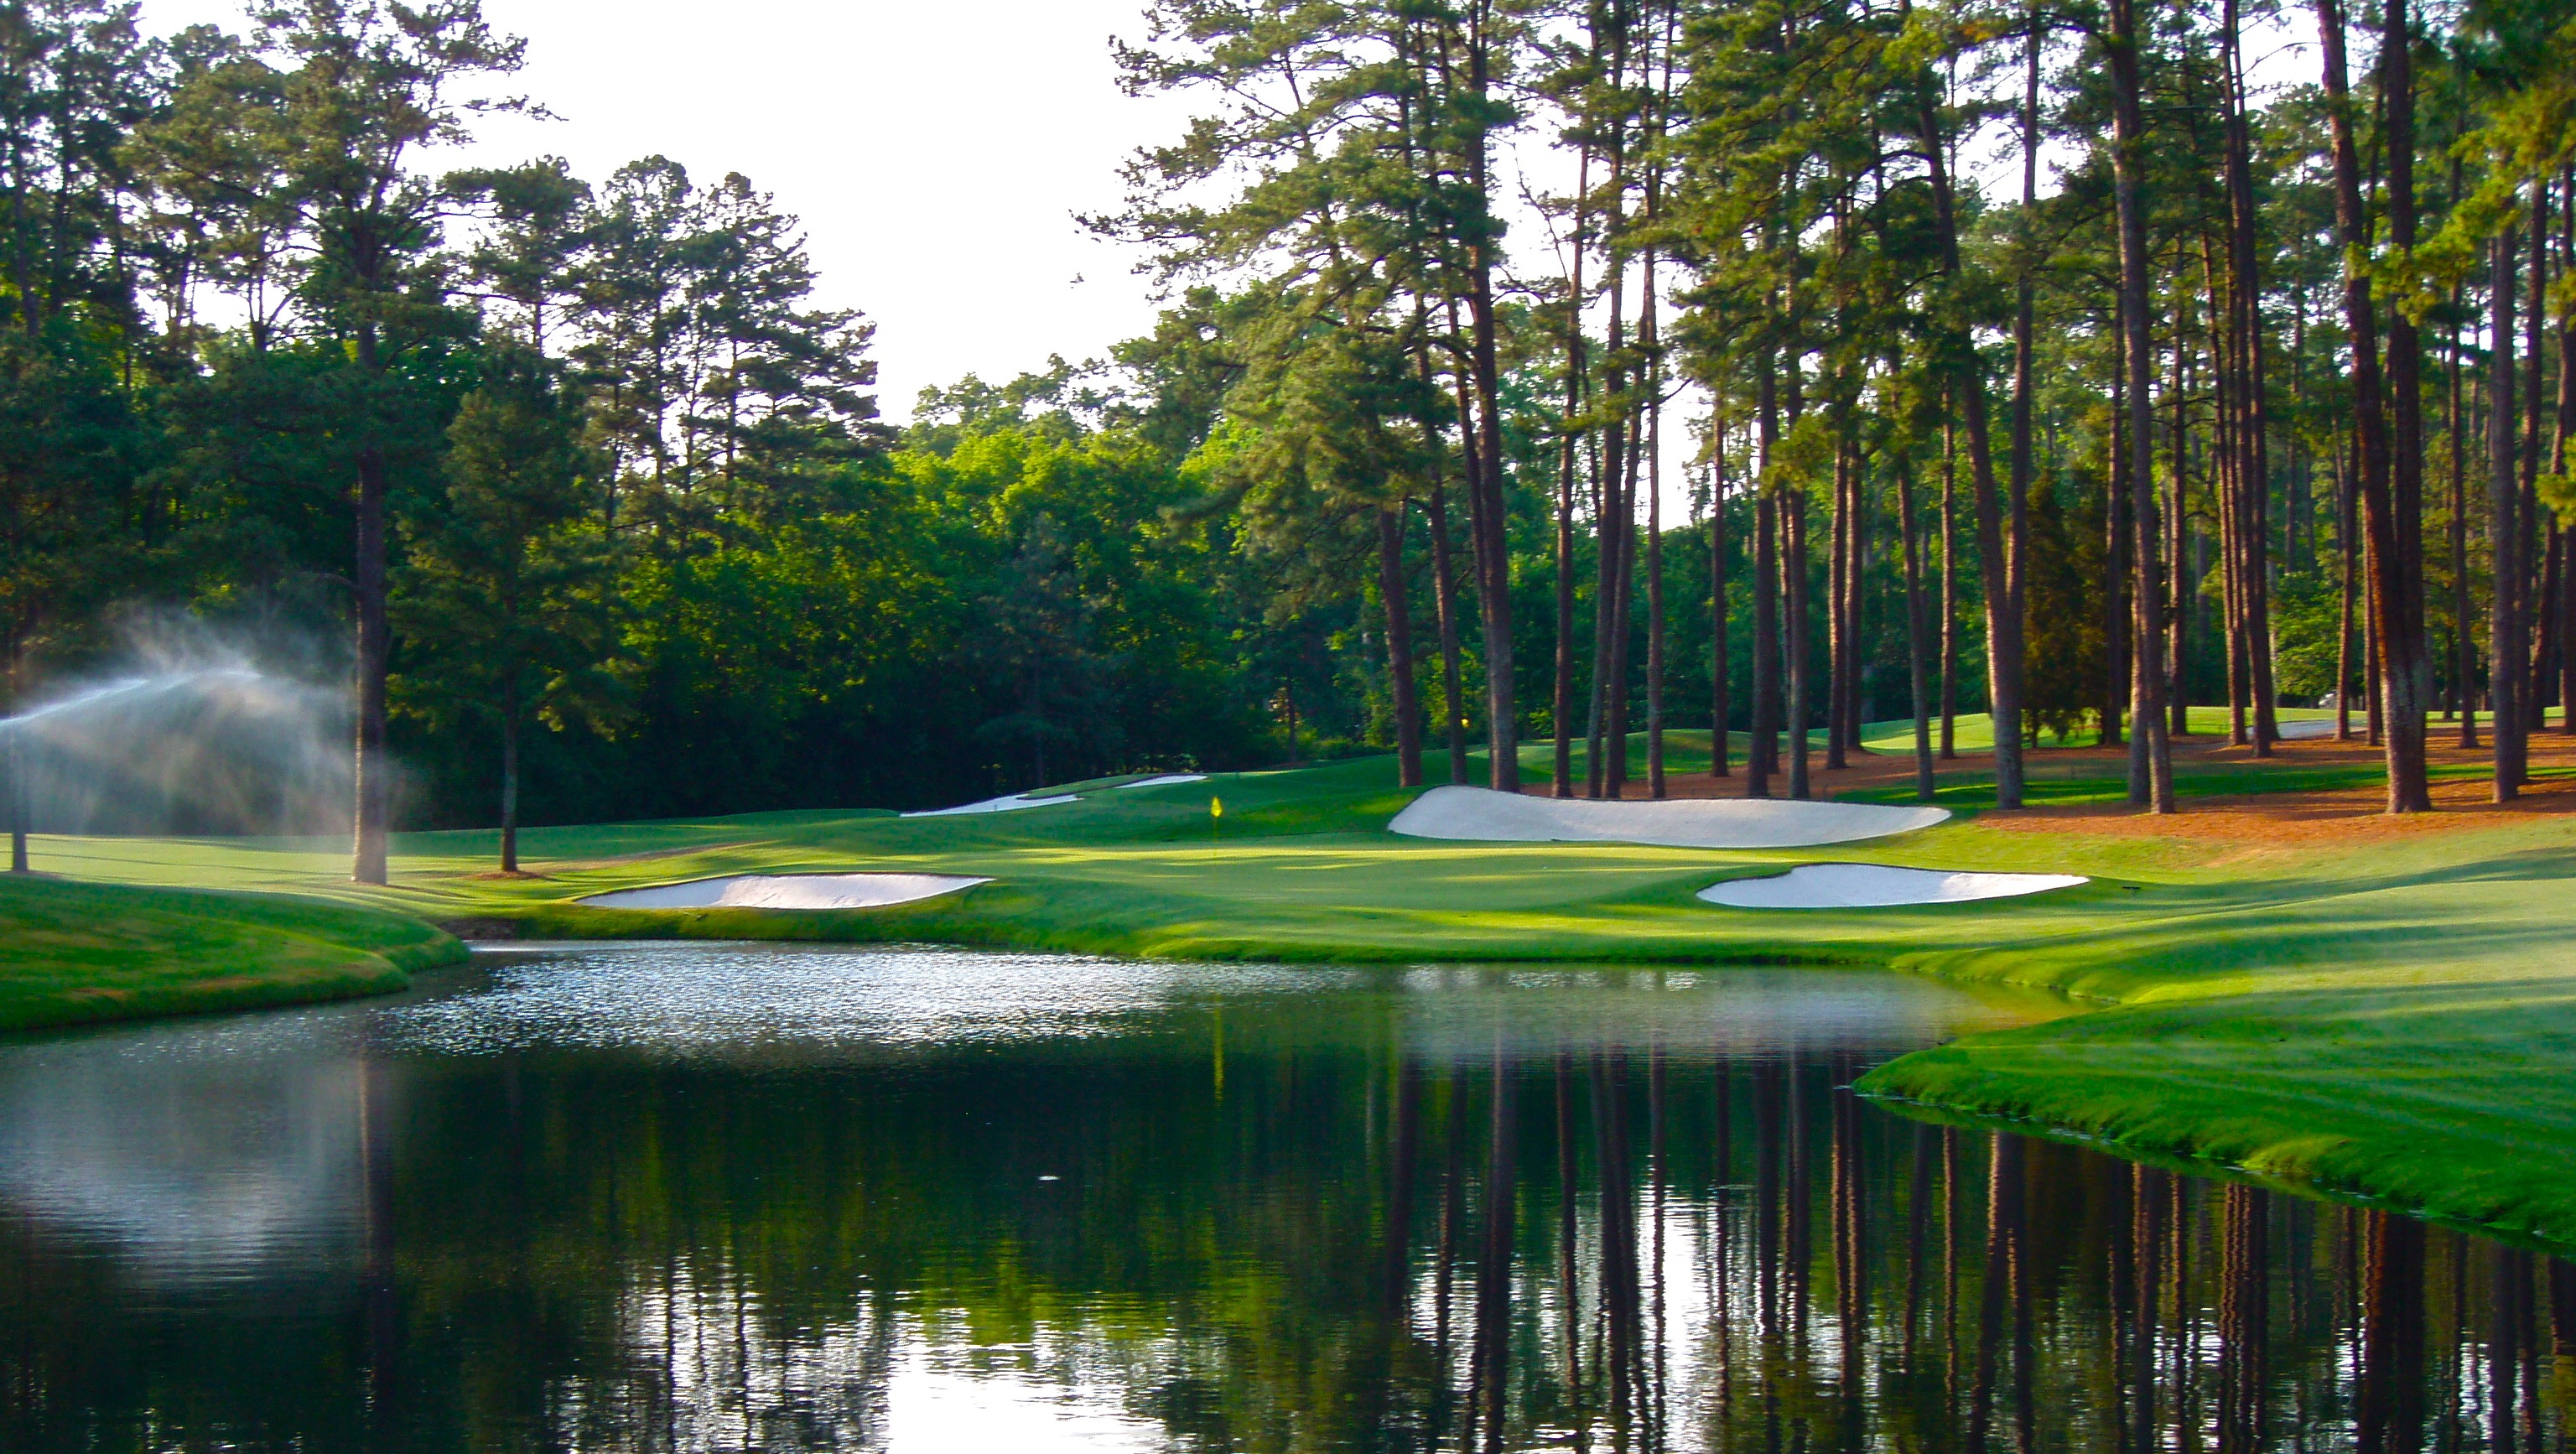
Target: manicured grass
2393,1015
2397,1022
71,953
1300,867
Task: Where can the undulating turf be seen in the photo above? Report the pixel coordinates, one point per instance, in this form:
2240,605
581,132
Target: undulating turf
2391,1015
72,953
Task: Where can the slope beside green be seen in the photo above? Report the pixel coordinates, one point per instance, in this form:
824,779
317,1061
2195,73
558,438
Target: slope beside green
2383,1013
72,953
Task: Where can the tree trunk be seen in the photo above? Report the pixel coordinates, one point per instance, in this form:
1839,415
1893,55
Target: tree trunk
1561,769
1717,652
1838,622
2116,548
1654,570
1480,523
1996,563
2253,425
1445,597
2396,578
2346,528
1856,608
13,793
2566,427
1399,644
1917,654
1793,571
1610,457
2150,756
1763,758
2225,486
1949,587
2505,669
2537,526
2025,294
2406,665
1503,724
510,784
1623,587
2543,656
2463,650
2181,588
2370,652
373,772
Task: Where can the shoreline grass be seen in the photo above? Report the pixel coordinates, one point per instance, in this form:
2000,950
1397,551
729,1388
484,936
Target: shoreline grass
81,953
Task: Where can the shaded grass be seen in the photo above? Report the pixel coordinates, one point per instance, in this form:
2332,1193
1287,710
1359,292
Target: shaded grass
73,953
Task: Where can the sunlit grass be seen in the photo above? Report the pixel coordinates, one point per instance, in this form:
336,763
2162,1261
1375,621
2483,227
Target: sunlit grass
78,952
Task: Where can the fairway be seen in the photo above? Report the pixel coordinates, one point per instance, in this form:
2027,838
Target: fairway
2374,1009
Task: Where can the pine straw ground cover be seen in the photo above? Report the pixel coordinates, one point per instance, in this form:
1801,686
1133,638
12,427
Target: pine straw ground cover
2283,981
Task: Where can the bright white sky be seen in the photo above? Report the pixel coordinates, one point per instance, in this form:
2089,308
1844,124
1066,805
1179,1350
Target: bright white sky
936,152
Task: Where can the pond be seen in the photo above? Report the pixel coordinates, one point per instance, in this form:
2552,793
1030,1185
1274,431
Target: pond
733,1197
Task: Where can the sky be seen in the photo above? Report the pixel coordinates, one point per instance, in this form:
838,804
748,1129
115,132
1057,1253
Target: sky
937,153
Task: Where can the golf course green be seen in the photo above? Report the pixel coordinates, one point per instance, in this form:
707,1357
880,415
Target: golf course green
81,952
2373,1013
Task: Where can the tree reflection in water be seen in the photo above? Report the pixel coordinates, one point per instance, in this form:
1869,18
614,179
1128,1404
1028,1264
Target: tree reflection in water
1609,1218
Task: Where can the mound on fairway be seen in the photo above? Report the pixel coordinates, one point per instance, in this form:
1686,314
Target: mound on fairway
789,891
73,953
1481,814
1875,886
1009,804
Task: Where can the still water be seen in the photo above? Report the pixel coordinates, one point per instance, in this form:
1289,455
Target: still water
777,1198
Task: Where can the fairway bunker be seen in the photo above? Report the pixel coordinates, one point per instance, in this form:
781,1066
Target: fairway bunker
1010,803
1875,886
1483,815
789,891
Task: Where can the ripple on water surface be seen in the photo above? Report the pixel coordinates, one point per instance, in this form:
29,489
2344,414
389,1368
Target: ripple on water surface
780,1197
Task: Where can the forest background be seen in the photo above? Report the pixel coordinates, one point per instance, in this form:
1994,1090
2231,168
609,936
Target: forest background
588,506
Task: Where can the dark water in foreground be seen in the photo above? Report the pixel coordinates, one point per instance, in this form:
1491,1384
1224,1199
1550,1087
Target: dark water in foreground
662,1198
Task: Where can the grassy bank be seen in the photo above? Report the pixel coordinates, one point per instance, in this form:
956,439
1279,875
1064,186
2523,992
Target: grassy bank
2288,982
72,953
2397,1021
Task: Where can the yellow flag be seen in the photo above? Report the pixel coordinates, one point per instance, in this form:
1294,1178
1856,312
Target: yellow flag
1216,807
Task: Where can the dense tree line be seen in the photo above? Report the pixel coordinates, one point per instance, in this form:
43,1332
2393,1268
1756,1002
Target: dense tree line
2177,428
594,490
2264,399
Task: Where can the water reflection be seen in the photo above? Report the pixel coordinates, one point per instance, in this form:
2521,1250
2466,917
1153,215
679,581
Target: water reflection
735,1198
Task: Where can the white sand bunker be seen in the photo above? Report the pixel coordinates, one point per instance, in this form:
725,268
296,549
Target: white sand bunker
1485,815
1010,803
1874,886
1166,780
2298,731
789,891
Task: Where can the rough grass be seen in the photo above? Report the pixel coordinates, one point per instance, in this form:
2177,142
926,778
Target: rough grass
2392,1016
72,953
